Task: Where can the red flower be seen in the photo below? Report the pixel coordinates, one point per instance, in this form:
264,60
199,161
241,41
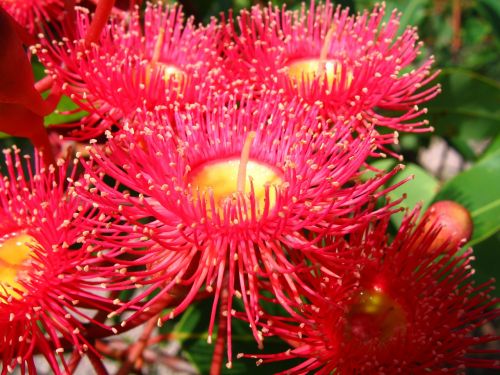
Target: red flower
350,65
164,60
33,13
203,223
46,275
401,309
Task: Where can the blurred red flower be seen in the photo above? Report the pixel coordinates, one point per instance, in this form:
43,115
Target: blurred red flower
401,309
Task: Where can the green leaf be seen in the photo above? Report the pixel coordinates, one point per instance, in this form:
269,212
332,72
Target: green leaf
487,256
421,189
493,147
59,116
413,12
411,141
38,69
191,331
464,148
477,189
469,106
491,10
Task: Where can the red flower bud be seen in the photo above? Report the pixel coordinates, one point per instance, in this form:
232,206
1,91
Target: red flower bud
454,222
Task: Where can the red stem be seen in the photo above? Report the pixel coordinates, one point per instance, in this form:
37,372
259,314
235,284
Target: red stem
220,344
44,84
97,363
74,361
456,25
118,350
135,351
101,15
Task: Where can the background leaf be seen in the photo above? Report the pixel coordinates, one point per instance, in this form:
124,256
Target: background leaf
66,112
487,254
469,107
191,331
421,189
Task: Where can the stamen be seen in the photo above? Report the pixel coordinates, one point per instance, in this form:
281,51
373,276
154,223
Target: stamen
159,44
325,48
245,155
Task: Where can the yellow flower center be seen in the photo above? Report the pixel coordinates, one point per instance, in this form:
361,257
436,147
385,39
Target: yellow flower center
168,72
374,316
228,177
14,256
307,70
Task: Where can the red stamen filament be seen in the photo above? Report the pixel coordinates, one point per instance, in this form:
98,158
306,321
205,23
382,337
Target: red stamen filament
324,50
245,155
157,51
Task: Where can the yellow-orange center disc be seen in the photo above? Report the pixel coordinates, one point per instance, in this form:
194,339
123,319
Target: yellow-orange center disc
306,70
221,178
168,72
374,316
14,254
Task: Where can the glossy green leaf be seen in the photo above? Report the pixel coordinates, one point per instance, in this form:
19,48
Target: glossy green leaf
59,116
478,190
491,11
413,11
469,106
38,69
420,189
464,148
487,254
493,147
191,331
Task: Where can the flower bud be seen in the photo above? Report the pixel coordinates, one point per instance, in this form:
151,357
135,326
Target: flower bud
454,221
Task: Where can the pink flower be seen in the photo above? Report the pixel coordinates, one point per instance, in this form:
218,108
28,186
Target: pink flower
32,13
349,65
202,224
46,275
160,59
401,308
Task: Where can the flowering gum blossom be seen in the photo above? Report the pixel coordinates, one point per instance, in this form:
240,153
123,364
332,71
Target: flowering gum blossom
221,177
14,253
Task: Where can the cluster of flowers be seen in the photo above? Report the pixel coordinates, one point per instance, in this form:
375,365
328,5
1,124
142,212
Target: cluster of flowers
229,161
